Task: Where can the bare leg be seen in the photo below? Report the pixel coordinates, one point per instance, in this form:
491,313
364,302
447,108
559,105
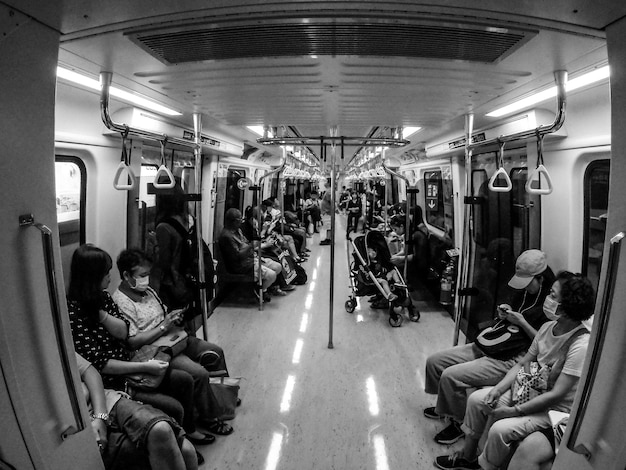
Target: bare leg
163,450
189,455
533,451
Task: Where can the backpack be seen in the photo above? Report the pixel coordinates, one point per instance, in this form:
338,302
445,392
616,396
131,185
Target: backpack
301,276
189,258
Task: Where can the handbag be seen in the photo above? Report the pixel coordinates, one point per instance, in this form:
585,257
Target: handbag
145,381
530,382
226,391
172,343
503,340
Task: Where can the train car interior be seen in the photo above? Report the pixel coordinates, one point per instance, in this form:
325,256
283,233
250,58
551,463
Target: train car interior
481,130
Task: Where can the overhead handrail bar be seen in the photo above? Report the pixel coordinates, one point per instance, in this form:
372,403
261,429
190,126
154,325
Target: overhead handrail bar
540,170
124,168
164,171
278,169
407,212
500,173
333,140
560,77
105,98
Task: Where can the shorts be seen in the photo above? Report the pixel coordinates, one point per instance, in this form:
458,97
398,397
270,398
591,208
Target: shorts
135,420
549,433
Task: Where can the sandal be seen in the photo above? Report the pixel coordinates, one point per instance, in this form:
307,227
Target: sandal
219,427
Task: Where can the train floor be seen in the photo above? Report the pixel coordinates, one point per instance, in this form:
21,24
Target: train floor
357,405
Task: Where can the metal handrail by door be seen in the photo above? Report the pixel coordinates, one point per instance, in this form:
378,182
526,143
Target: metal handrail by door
601,326
55,306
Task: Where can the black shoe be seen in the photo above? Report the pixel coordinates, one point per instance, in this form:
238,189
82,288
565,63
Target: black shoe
202,441
200,458
453,462
431,413
325,242
288,288
380,304
450,434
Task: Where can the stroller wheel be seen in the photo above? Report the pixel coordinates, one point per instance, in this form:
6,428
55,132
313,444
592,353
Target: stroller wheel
350,305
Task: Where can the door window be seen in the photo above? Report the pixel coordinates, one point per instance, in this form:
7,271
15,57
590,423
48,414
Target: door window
596,184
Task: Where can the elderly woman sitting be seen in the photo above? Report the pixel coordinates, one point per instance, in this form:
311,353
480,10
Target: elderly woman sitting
559,347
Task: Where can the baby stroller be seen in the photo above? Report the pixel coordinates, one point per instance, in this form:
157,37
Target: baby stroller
363,282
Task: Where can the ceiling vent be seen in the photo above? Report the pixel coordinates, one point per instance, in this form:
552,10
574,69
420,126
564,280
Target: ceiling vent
362,37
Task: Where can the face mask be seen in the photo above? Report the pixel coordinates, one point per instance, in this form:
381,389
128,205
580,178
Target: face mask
550,307
141,284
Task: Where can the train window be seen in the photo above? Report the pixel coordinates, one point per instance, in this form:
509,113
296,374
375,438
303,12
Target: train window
147,205
596,187
438,201
525,213
70,184
234,195
479,215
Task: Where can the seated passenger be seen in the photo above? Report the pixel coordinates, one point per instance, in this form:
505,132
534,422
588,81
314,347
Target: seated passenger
148,320
239,254
100,331
450,373
137,431
559,348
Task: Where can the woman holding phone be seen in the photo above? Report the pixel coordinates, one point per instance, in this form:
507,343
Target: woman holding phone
149,320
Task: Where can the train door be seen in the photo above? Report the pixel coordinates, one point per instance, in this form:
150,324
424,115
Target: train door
596,202
229,193
503,224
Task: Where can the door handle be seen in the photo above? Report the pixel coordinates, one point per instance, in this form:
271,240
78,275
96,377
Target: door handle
601,325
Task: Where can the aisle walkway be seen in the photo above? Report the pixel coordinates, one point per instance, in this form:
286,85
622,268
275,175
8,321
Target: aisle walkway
305,406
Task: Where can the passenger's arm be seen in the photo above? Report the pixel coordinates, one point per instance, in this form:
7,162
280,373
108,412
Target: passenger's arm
117,327
505,384
542,402
151,335
518,319
117,367
93,381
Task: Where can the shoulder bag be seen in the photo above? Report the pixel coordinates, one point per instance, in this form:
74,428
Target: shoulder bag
145,381
503,340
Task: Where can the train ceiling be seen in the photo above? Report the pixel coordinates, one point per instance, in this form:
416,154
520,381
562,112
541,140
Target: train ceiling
357,65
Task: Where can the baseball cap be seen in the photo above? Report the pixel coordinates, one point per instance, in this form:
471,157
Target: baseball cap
528,265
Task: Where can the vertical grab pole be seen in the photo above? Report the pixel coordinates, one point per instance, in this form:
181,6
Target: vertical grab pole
333,154
463,272
197,152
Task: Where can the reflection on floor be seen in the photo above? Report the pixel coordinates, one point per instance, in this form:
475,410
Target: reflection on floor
357,405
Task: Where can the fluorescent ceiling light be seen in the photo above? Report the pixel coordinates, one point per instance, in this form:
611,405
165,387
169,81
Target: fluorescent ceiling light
407,131
256,129
93,84
578,82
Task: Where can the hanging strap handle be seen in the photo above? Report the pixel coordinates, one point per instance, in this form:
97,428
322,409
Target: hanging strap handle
539,171
500,173
164,171
124,179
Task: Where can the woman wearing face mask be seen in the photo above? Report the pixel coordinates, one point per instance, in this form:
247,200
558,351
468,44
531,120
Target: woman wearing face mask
560,347
149,320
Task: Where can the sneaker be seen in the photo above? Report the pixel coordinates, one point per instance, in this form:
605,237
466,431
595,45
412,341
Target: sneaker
288,288
450,434
279,292
431,413
456,462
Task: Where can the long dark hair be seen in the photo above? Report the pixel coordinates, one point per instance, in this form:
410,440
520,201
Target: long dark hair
89,266
171,203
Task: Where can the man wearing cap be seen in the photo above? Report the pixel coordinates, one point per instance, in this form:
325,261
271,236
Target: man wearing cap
451,372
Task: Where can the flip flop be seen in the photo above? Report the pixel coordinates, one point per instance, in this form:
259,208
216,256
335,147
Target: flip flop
220,428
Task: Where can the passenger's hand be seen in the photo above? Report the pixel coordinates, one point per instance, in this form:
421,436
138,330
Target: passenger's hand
502,311
491,399
99,429
154,366
503,412
514,317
